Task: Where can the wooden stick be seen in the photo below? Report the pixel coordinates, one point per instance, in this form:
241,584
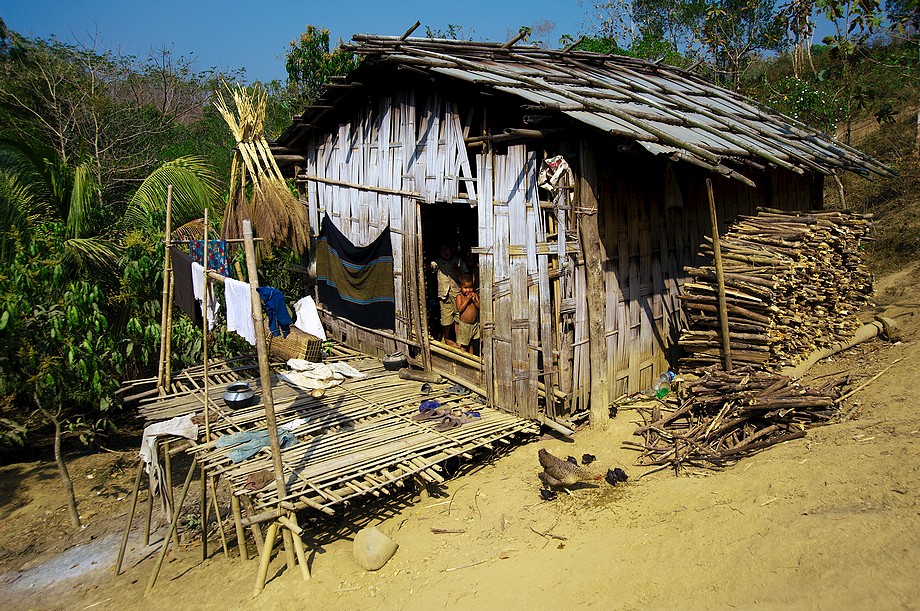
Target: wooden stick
134,495
167,268
849,394
723,308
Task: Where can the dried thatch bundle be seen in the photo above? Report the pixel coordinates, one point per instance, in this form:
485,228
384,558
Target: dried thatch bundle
257,189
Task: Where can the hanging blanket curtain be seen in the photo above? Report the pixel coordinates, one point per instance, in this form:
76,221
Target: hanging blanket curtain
356,282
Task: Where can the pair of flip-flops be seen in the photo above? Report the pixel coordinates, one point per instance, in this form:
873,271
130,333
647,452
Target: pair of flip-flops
444,419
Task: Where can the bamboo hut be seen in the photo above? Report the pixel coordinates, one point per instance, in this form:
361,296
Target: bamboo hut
575,181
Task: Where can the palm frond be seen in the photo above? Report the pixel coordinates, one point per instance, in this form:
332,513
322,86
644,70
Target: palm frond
195,187
95,257
17,205
83,190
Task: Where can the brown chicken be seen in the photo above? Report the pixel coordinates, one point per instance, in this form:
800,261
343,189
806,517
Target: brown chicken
558,472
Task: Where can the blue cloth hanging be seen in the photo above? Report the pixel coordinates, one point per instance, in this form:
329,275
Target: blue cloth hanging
279,321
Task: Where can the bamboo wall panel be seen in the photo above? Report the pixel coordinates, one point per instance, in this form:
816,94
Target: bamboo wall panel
399,146
484,165
648,246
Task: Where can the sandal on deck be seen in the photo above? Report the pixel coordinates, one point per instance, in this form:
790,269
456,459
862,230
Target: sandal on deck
450,421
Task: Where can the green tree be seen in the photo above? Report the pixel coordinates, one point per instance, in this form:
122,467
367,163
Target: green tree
310,64
736,32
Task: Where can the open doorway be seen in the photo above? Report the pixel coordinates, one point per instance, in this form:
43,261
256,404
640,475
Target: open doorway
450,233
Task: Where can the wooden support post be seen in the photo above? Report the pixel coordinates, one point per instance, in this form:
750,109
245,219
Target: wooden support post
591,250
167,280
124,540
240,531
720,279
172,527
266,556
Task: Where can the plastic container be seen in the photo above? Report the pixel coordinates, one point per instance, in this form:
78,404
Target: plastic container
662,385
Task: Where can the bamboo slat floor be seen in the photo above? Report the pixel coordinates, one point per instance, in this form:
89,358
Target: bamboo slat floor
359,439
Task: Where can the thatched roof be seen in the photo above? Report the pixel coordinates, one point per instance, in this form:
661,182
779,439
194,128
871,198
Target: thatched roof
668,111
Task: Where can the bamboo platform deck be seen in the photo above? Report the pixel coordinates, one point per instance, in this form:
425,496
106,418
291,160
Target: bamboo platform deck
359,439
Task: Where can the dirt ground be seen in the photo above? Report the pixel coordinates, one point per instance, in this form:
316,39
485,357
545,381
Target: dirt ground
828,521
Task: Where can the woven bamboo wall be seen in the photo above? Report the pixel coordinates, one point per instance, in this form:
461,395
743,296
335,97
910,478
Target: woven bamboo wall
401,144
647,246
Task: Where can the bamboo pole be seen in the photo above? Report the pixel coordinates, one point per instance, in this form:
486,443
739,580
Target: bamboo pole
134,495
262,353
720,279
204,327
172,527
167,277
167,461
220,520
169,318
203,512
266,555
240,531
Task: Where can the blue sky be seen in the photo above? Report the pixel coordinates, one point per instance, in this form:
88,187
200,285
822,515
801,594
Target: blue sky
254,35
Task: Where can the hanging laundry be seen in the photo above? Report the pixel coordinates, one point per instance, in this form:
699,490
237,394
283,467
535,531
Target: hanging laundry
356,282
308,319
183,290
279,321
180,426
239,309
198,285
218,256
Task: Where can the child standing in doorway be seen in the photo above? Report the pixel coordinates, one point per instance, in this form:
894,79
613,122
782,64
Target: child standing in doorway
449,268
467,303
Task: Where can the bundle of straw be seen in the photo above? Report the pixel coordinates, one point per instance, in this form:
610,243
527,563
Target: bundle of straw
257,189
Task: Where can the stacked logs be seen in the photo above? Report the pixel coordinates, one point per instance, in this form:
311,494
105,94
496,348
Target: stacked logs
720,417
793,283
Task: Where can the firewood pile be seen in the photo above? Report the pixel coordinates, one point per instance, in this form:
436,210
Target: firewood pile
793,283
718,417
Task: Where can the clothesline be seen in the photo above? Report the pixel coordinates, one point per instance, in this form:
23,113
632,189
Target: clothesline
229,240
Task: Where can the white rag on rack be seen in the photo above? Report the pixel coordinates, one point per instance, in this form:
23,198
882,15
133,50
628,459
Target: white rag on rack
210,309
239,309
180,426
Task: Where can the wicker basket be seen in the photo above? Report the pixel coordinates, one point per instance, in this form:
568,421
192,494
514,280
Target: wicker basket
297,345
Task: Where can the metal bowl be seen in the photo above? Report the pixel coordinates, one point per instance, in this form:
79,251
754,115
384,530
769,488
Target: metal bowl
395,361
239,395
